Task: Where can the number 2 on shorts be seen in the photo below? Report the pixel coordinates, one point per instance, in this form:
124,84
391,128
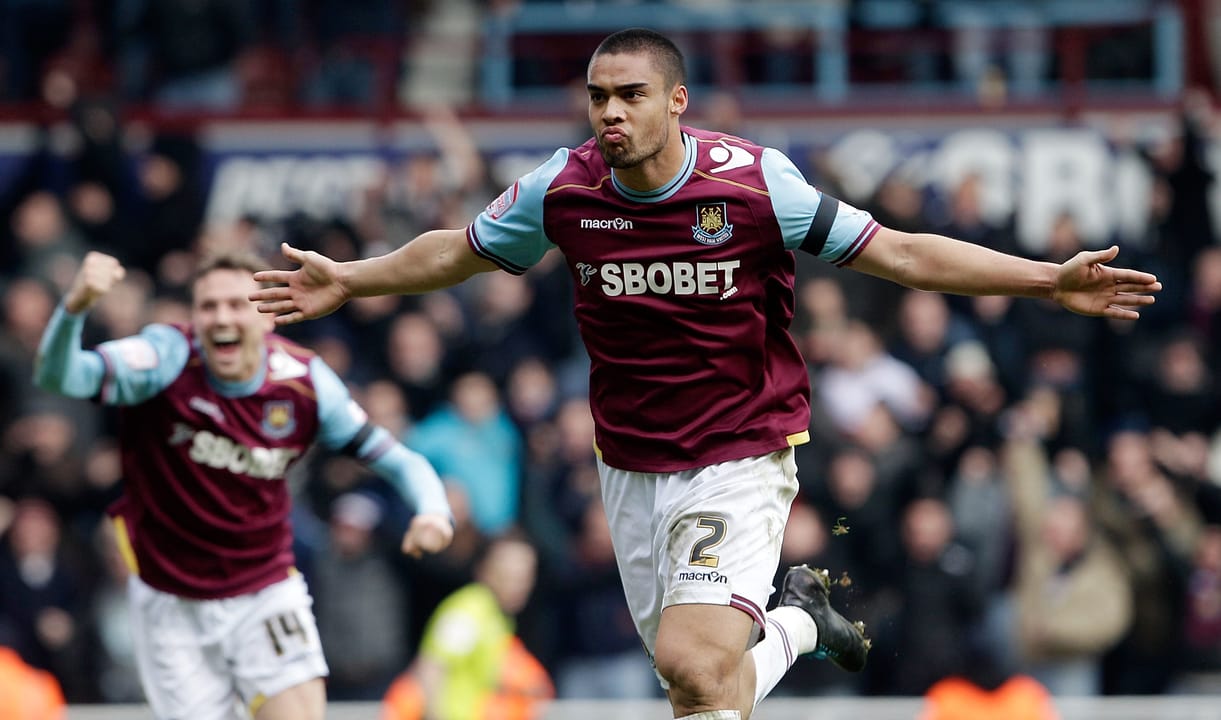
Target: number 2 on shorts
715,525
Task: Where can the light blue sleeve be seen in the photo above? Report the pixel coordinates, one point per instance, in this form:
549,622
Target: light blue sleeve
344,426
509,232
797,204
127,371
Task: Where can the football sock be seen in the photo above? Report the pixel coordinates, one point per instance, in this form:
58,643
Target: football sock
790,632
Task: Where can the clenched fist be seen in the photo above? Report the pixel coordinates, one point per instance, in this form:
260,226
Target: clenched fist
427,534
98,274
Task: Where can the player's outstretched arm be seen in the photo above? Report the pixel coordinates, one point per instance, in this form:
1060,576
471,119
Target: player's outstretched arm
345,427
62,366
320,286
1084,284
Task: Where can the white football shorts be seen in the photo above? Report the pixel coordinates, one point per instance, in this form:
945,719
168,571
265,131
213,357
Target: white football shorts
710,535
217,659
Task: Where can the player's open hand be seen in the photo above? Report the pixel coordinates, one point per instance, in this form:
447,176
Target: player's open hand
311,291
98,273
427,534
1086,286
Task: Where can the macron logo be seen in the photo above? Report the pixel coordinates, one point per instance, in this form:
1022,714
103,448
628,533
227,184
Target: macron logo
731,157
597,224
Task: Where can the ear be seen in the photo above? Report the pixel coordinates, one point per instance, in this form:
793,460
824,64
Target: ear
678,100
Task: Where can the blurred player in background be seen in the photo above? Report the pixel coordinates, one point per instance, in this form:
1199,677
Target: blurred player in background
211,416
680,244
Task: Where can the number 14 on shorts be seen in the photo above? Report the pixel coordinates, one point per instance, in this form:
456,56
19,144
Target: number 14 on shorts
288,634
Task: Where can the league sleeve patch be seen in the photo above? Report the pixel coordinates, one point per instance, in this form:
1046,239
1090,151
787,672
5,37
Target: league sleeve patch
501,205
136,353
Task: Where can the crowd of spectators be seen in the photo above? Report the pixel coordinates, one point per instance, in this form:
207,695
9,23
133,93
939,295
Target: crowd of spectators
998,486
375,55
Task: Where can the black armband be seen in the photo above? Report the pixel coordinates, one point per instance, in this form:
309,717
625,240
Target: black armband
353,446
820,226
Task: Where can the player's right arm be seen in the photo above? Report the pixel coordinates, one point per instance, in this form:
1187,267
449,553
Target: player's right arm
434,260
507,235
125,371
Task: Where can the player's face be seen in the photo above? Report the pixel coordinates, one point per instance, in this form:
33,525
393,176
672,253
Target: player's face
230,328
631,109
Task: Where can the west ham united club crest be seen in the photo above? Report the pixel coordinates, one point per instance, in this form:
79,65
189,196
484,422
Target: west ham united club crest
278,419
711,227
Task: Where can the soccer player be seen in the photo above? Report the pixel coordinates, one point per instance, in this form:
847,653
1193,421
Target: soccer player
211,416
680,243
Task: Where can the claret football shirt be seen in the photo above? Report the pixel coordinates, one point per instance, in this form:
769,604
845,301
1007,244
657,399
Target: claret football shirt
684,294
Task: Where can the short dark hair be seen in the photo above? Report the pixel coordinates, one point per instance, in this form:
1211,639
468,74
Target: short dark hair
642,40
228,259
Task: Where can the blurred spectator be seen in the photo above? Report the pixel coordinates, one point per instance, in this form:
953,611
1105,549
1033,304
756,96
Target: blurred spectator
531,395
356,42
364,327
415,357
1182,397
560,484
965,218
501,333
929,637
1155,527
927,330
118,678
980,507
171,211
1072,600
184,53
1000,41
364,634
898,202
48,247
30,34
855,499
1202,616
471,441
471,664
42,599
43,455
993,319
863,375
1203,305
601,655
1181,161
823,310
1017,698
26,307
972,406
29,693
387,406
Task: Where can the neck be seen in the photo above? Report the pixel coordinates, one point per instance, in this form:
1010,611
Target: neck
657,170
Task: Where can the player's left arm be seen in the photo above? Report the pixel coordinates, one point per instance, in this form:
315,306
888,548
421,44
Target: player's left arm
848,237
345,427
1083,284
